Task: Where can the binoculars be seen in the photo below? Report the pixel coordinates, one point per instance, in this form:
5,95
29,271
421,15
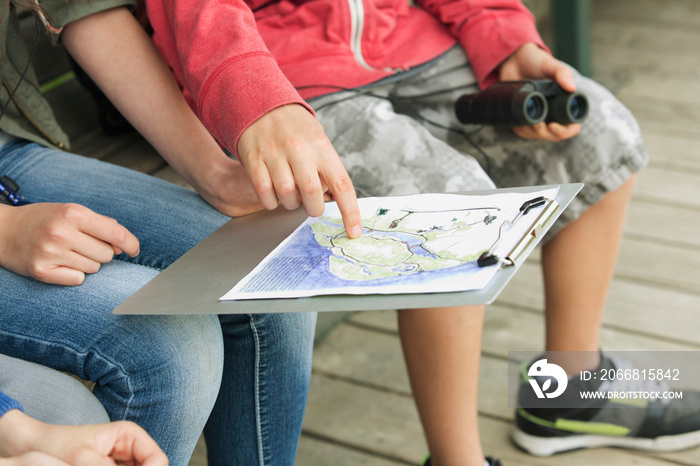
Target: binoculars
522,103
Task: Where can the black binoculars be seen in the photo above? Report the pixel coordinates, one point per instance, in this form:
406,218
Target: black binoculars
522,103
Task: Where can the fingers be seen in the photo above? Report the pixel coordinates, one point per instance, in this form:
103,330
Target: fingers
343,192
559,72
554,132
285,184
66,276
127,443
290,161
86,455
311,184
143,448
311,187
64,242
565,78
92,250
102,236
554,69
109,231
262,184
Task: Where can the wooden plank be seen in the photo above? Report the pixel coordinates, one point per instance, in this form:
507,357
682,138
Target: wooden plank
657,184
691,456
375,360
506,330
632,306
370,357
655,38
662,116
510,329
199,456
661,264
626,62
378,320
673,153
326,322
387,424
680,89
314,452
340,446
364,418
675,226
667,13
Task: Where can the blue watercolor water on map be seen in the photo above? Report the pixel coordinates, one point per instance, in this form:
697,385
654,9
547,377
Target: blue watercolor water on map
292,269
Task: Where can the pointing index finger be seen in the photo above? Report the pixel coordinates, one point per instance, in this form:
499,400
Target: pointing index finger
343,193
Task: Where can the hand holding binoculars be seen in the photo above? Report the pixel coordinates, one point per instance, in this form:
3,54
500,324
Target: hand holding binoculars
522,103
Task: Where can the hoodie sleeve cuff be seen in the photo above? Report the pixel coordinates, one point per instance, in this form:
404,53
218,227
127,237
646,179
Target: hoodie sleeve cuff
490,42
239,92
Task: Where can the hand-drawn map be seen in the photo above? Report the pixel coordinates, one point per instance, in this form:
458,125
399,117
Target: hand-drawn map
410,244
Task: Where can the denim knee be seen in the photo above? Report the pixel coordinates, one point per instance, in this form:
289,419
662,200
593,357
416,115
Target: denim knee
165,376
284,338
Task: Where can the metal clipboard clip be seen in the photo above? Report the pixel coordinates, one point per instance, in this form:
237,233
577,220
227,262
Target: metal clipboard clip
533,232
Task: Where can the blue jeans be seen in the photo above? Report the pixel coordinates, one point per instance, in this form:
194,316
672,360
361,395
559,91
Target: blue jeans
58,399
245,377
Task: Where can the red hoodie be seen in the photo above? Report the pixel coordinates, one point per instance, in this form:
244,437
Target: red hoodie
238,59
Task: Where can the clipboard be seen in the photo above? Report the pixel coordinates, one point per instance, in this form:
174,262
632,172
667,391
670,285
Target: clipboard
194,283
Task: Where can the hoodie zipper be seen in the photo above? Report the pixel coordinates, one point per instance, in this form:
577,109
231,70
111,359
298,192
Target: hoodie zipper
357,24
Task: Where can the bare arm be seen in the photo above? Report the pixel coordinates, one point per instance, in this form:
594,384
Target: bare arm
115,51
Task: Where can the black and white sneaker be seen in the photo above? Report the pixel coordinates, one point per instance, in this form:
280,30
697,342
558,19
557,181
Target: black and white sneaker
649,423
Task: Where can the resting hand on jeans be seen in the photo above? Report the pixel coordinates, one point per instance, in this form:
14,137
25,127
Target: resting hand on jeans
290,161
531,62
60,243
224,184
27,442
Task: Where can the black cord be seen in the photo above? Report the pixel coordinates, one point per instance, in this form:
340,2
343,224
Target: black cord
37,31
356,93
393,98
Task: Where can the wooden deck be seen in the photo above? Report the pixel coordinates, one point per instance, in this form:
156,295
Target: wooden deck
360,409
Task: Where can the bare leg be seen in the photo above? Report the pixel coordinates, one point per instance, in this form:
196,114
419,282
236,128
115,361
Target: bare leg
442,348
578,265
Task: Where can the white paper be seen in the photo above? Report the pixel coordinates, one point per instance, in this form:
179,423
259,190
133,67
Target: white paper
425,243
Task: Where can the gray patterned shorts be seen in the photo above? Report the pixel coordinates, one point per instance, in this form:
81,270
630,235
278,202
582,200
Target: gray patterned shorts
401,136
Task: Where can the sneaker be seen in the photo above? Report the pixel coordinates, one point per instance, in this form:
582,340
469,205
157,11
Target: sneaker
490,461
657,425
